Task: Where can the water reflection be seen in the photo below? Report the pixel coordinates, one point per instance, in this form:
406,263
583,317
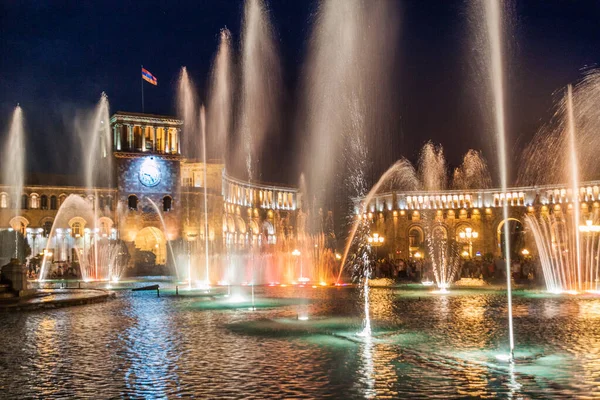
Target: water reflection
422,345
149,350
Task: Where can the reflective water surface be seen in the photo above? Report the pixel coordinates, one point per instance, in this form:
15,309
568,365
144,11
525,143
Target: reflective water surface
423,346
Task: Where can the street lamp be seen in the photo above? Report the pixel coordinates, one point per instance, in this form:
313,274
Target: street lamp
589,227
468,235
376,241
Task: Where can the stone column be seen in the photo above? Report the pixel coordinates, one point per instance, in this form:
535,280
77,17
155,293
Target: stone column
143,137
118,136
167,141
130,137
153,138
178,141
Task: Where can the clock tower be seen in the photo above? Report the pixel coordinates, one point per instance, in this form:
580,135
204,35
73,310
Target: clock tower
148,159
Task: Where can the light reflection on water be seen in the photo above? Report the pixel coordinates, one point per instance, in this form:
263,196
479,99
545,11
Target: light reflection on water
423,346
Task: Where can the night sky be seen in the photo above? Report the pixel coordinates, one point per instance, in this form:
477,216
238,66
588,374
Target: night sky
58,56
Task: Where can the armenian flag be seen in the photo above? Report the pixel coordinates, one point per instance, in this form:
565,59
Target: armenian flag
148,77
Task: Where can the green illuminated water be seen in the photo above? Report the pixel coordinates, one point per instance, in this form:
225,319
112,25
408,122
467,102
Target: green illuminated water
423,345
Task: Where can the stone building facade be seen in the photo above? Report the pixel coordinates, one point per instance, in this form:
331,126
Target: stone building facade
156,198
473,218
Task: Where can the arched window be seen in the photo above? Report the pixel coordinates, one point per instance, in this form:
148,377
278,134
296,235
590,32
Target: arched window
132,201
24,202
415,237
44,202
47,228
3,200
76,229
35,201
53,203
167,203
61,199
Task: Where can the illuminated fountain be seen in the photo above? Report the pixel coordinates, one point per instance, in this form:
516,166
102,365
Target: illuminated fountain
80,223
349,70
13,158
489,33
99,254
261,83
567,242
444,255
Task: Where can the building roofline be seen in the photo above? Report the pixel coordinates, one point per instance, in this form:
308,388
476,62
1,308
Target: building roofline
135,116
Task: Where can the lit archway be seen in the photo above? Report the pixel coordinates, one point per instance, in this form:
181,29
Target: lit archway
19,224
152,239
416,238
516,240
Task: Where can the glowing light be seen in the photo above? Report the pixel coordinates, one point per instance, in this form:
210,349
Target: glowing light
589,227
504,357
303,279
427,283
525,252
465,253
323,283
338,256
296,253
205,285
237,299
223,283
417,255
303,318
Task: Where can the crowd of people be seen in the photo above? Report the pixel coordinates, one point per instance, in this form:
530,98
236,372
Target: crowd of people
59,270
489,269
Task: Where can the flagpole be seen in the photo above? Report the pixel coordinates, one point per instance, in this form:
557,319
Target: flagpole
142,89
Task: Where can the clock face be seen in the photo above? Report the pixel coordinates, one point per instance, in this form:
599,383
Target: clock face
149,175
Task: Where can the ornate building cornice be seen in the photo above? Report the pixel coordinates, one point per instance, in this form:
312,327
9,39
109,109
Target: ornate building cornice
163,156
145,119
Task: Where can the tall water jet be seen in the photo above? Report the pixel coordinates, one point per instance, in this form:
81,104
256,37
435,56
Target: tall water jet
13,157
347,91
490,12
187,109
261,85
536,168
568,250
206,256
432,167
574,179
347,97
220,99
98,157
95,135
